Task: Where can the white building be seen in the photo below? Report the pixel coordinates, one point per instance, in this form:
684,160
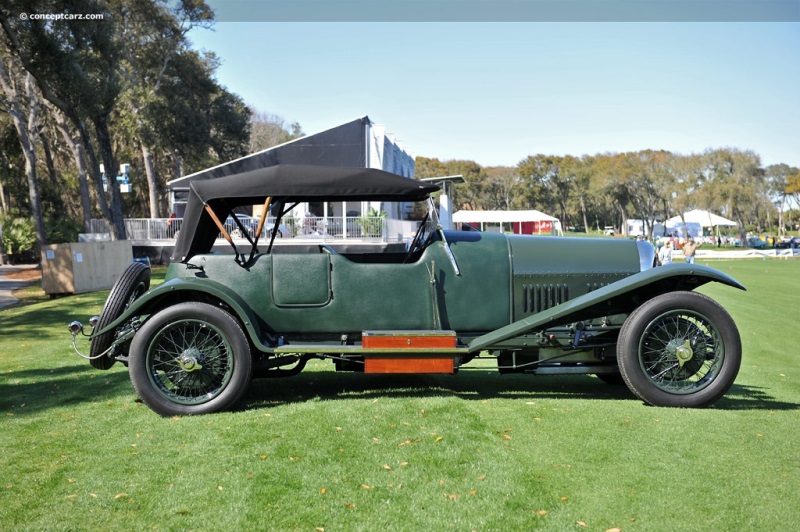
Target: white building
358,143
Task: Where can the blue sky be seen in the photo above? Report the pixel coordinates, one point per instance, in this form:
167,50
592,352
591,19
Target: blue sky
496,93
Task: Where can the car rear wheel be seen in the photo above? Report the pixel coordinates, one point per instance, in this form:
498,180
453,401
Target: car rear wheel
134,282
192,358
680,349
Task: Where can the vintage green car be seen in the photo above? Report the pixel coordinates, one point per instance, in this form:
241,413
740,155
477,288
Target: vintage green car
539,305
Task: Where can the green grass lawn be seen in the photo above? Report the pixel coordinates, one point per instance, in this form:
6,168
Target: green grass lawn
354,452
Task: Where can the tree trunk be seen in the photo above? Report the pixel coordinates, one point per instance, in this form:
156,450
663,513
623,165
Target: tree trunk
26,143
3,209
177,169
564,216
177,164
51,167
80,164
107,153
33,192
737,214
94,168
152,180
30,161
3,206
685,227
583,212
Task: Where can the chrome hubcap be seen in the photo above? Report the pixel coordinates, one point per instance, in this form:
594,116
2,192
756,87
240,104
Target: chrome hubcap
189,360
684,353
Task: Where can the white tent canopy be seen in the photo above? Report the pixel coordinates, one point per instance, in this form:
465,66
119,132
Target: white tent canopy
696,221
704,218
508,217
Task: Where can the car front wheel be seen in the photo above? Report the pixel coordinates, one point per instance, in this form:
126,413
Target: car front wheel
679,349
191,358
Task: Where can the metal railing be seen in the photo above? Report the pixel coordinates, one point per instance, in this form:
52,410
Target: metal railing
143,228
337,227
310,227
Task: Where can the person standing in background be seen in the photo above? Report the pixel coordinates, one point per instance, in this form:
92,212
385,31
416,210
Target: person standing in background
665,254
689,249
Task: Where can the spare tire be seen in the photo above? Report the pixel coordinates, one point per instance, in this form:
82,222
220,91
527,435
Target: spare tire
134,282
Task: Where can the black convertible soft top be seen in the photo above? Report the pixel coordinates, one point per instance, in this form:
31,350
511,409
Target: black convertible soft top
285,184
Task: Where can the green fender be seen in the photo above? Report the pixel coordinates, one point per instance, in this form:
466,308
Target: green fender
145,303
620,297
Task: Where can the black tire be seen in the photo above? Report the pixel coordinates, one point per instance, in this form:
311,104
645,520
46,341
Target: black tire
680,349
134,282
191,358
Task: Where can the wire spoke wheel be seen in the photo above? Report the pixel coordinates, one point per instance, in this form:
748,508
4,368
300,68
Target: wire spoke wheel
191,358
190,362
679,349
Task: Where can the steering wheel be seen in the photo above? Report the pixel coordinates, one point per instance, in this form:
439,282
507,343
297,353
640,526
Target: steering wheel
417,242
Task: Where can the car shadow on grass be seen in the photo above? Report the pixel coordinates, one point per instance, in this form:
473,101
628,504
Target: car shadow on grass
33,391
471,385
743,397
468,385
29,392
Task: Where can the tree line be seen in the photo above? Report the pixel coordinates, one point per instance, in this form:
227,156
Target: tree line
78,95
595,191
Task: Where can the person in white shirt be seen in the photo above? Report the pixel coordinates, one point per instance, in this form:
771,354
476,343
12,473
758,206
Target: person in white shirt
665,254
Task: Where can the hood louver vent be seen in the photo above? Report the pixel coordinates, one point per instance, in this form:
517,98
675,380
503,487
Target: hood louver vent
539,297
